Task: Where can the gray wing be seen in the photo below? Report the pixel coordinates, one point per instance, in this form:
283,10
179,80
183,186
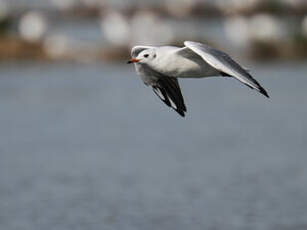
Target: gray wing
225,64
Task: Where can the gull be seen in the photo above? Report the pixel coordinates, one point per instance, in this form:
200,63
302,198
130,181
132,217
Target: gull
160,67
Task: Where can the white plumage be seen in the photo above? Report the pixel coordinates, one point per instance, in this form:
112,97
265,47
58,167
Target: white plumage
160,67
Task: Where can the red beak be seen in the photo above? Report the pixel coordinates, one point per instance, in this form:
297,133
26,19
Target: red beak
133,60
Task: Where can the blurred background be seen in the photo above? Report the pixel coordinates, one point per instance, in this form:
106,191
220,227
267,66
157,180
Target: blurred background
85,145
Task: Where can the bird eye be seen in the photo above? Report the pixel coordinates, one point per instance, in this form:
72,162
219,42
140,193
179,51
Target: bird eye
146,55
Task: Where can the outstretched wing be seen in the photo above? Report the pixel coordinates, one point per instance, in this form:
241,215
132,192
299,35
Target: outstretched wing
168,90
225,64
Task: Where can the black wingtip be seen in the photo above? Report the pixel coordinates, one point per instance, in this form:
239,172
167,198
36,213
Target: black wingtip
263,91
168,90
181,113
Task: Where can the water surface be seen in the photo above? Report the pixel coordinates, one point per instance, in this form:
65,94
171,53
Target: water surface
90,147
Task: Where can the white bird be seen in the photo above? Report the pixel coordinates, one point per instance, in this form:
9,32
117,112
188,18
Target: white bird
160,67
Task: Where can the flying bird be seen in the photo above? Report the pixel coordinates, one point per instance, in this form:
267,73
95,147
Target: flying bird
160,67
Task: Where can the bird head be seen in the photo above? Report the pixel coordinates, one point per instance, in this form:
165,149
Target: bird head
144,57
